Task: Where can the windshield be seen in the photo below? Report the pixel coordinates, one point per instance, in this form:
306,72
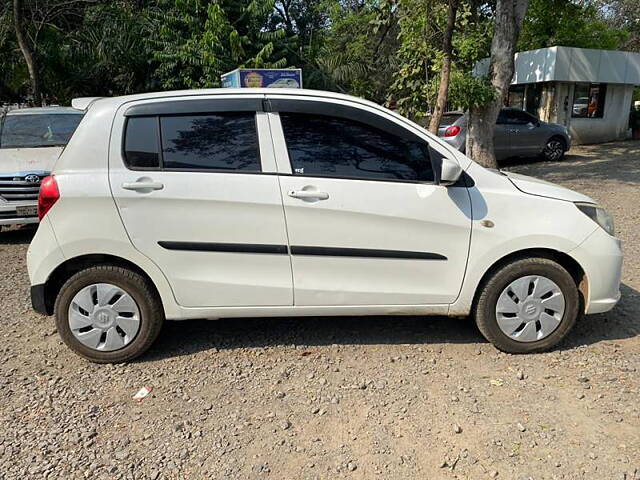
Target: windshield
449,118
34,130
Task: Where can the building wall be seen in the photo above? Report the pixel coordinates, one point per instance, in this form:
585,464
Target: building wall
612,126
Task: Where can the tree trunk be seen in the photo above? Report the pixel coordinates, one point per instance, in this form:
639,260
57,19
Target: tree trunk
509,17
34,75
443,88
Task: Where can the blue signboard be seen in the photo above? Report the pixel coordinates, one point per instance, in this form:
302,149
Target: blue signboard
263,78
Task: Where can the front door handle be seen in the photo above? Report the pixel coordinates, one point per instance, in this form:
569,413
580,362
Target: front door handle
142,185
308,194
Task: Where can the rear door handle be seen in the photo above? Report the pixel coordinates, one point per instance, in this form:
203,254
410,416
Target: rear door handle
142,185
308,194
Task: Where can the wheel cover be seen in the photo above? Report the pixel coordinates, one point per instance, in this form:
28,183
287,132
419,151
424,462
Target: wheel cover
554,149
530,308
104,317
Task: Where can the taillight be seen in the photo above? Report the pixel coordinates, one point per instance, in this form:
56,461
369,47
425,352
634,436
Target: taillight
452,131
49,195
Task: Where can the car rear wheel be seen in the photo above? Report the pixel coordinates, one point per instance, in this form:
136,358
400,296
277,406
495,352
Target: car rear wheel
108,314
554,149
527,306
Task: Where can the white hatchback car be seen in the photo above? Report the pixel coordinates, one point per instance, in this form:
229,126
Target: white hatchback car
254,202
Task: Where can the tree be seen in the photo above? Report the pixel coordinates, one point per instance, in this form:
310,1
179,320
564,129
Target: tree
25,48
198,40
418,55
39,25
564,22
358,50
445,74
429,62
624,15
108,54
509,15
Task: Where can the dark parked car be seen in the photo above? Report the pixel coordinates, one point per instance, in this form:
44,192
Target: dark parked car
517,134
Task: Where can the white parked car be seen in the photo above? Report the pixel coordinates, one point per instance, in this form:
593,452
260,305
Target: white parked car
246,203
31,139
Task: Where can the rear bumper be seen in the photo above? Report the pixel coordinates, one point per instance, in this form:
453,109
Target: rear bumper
457,142
600,255
38,301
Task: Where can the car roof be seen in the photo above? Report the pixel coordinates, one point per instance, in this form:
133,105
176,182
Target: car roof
113,103
298,92
514,109
44,111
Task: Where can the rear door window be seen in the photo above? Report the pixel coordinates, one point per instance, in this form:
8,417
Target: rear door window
141,143
220,141
225,142
449,119
38,130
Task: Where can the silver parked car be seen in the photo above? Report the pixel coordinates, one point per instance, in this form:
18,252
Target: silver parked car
517,134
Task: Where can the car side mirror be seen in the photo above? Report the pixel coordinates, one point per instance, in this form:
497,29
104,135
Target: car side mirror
447,171
450,172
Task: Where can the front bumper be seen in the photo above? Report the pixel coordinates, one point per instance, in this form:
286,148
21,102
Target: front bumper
9,215
18,220
600,255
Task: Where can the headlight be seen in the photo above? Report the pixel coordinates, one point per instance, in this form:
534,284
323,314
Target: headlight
598,215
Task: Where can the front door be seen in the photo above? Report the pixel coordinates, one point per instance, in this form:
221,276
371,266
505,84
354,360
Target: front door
502,138
527,138
190,181
367,224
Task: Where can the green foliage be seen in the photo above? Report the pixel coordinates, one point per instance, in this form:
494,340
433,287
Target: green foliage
377,49
421,27
623,15
467,91
569,24
197,41
107,54
420,24
13,71
358,52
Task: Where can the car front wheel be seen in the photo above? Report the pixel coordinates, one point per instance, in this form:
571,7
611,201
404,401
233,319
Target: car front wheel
554,149
108,314
527,306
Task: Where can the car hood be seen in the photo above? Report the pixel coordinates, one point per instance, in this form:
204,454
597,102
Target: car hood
541,188
14,160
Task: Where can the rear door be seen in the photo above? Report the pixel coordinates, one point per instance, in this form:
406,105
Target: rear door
194,181
367,224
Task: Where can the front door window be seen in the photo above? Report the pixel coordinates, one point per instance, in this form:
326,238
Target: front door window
339,147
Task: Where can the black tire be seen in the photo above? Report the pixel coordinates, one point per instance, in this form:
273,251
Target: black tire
485,306
142,291
550,151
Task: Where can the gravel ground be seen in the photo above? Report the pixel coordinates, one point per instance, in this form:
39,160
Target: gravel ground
390,398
